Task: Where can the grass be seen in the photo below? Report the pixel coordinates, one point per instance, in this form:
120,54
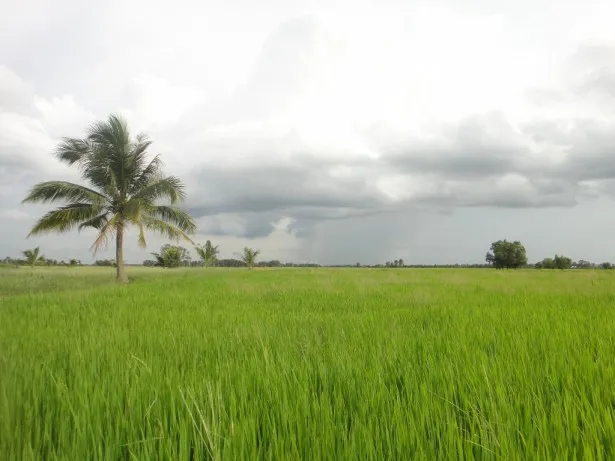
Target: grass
307,364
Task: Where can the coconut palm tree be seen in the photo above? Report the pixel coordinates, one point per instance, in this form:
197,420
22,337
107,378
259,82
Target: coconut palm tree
124,189
33,257
249,256
208,253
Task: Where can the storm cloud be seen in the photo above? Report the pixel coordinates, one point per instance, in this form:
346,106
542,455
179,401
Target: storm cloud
336,133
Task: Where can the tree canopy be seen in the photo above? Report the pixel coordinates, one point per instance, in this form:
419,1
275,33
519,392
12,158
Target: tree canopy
171,256
507,255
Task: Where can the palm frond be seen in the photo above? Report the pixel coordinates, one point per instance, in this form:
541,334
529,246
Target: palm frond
97,222
132,210
72,150
105,234
64,218
164,228
170,187
138,154
149,175
52,191
175,216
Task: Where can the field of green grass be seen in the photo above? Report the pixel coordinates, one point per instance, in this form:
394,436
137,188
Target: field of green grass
307,364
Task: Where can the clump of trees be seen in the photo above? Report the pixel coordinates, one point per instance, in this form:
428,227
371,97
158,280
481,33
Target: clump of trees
124,189
397,263
105,262
171,256
557,262
175,256
582,264
507,255
564,262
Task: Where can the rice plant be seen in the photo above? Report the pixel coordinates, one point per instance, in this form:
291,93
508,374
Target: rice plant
307,364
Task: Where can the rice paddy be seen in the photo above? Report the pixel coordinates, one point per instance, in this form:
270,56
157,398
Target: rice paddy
366,364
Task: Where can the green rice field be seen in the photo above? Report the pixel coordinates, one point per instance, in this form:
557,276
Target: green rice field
307,364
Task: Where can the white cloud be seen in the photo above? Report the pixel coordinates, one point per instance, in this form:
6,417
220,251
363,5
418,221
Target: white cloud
62,116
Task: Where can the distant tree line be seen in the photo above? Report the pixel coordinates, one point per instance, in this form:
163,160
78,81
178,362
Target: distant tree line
34,257
426,266
173,256
105,263
512,255
557,262
502,254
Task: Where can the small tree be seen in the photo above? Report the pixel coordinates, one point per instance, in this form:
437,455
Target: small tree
507,255
33,257
562,262
171,256
208,253
249,257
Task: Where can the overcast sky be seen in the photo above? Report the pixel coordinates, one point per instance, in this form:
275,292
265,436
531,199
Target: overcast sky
329,131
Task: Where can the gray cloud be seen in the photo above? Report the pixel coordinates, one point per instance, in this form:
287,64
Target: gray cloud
278,188
477,147
312,135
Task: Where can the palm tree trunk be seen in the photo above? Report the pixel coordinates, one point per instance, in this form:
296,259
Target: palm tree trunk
119,256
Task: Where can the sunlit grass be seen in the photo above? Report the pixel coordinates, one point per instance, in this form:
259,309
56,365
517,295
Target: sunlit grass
307,364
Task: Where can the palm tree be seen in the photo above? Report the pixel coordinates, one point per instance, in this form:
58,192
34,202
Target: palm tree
249,257
208,253
125,189
33,257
